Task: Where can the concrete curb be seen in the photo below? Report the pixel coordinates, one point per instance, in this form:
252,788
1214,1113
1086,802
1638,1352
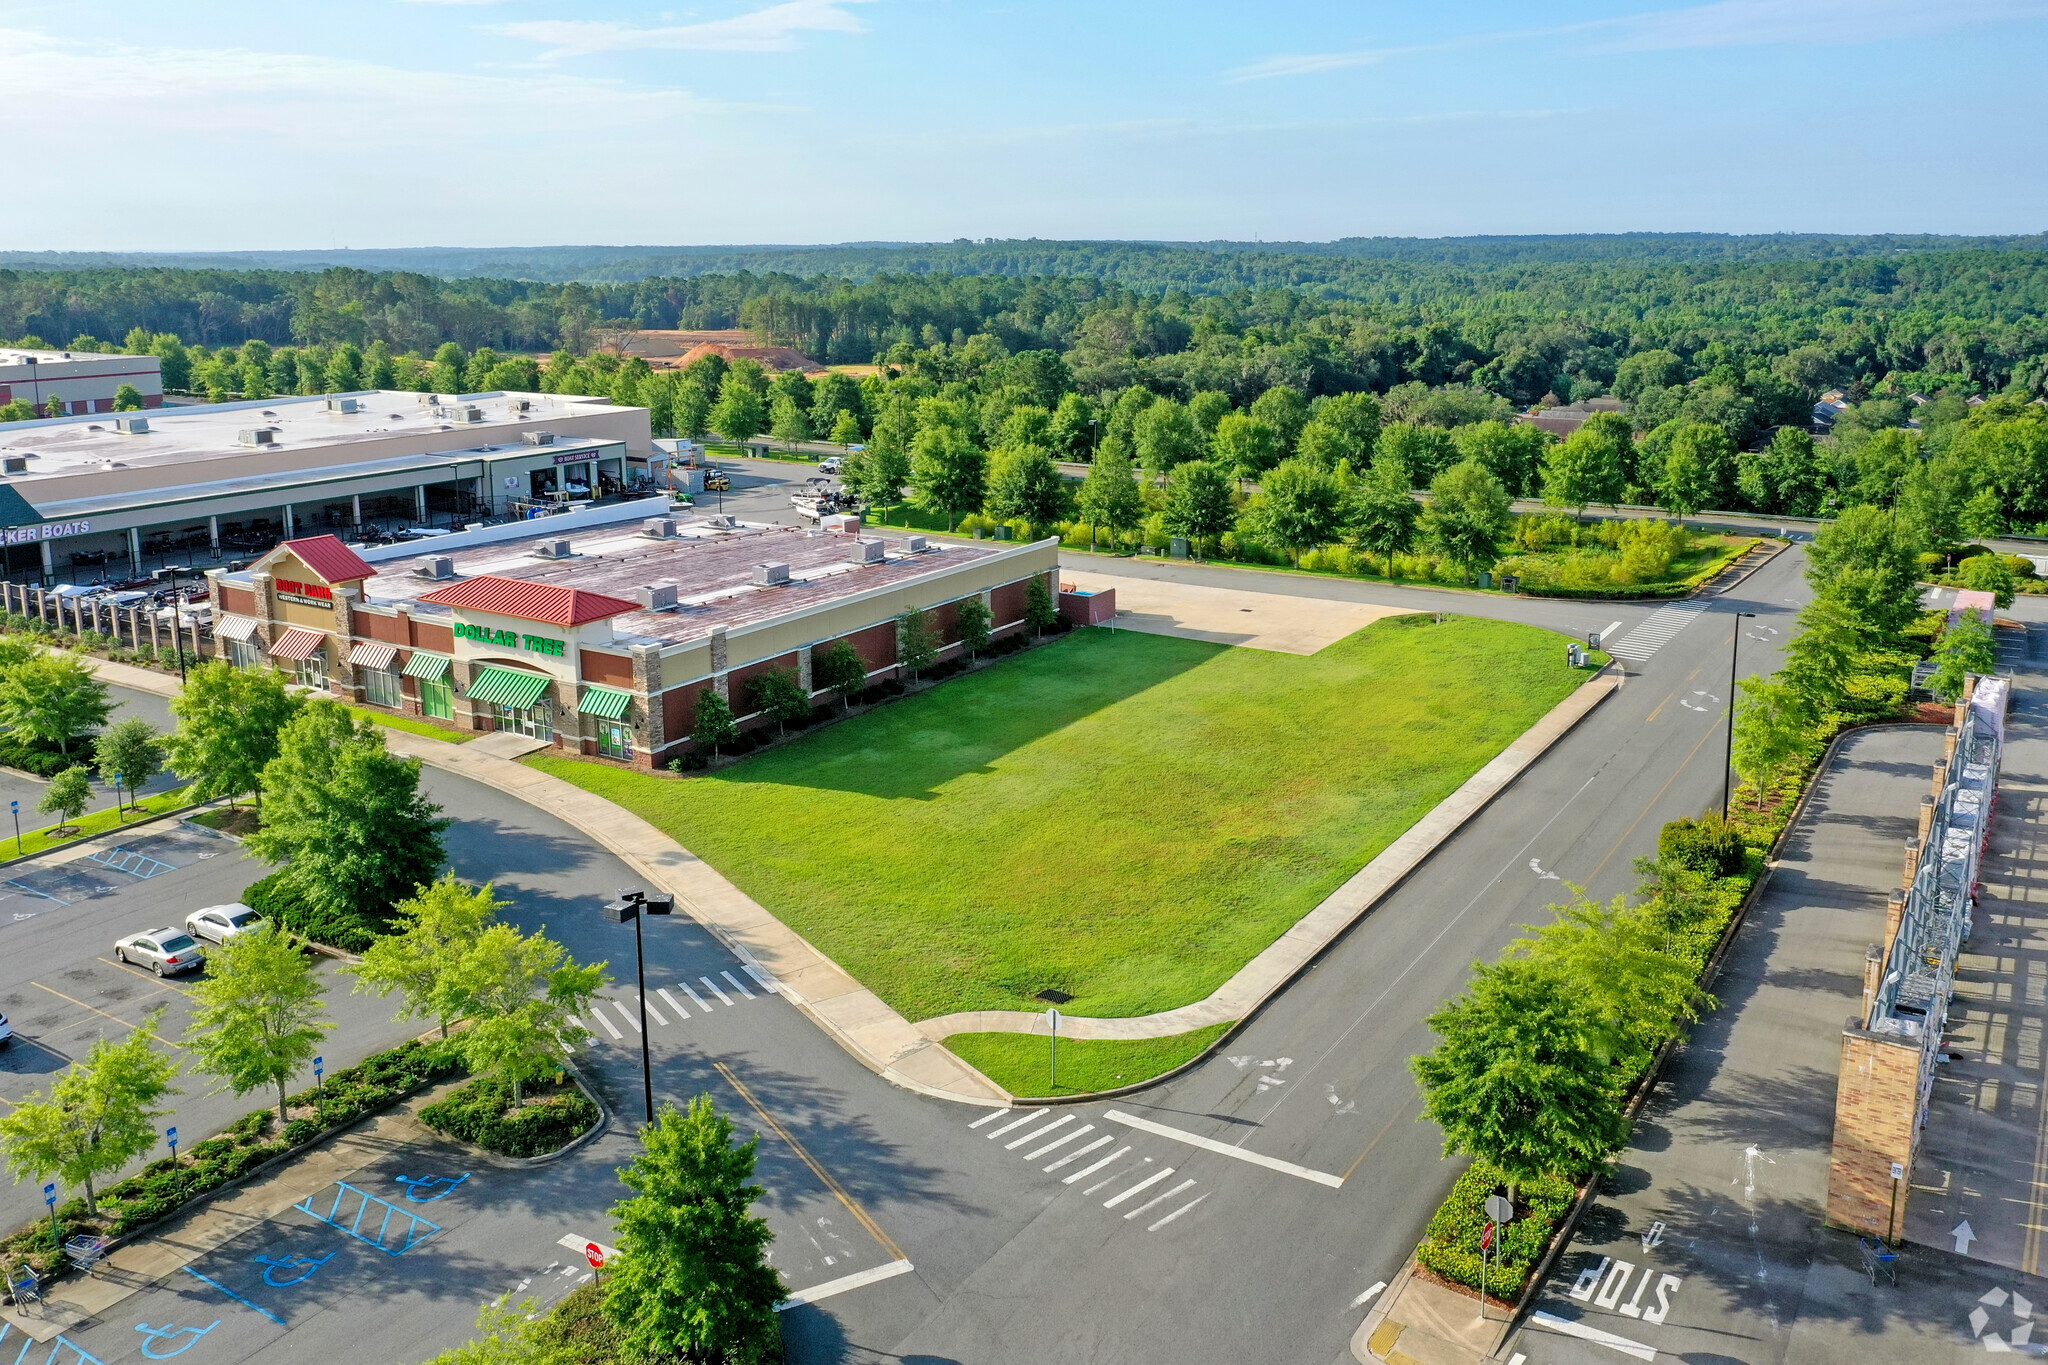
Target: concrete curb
1246,992
529,1163
110,838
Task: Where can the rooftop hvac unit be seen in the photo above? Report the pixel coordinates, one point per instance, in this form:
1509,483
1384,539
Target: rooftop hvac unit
846,523
132,426
436,567
771,575
430,400
866,551
659,528
656,596
522,405
346,406
552,549
538,438
914,545
259,436
14,464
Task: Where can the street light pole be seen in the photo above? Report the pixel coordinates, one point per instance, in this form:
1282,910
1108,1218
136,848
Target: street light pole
1728,756
178,630
630,905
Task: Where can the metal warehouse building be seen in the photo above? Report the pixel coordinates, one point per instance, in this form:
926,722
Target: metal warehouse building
95,500
601,641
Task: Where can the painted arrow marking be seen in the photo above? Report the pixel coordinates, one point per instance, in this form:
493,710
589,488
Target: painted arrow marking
1964,1235
1536,866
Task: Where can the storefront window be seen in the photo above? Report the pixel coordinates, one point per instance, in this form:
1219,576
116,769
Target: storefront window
437,698
534,722
245,654
311,671
381,687
614,739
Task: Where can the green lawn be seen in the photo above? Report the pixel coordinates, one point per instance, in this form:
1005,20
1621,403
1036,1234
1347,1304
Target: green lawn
99,822
1127,818
414,726
1020,1062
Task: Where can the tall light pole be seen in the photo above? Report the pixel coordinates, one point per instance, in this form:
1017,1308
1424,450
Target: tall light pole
630,905
1728,757
177,630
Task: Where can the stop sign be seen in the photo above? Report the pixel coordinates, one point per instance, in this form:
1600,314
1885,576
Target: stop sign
594,1253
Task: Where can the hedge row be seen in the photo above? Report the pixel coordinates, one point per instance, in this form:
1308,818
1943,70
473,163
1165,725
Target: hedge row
481,1113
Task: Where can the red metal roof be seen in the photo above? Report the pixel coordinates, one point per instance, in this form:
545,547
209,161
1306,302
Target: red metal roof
331,559
549,602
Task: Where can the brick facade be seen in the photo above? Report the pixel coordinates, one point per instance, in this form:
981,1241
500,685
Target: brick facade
1877,1101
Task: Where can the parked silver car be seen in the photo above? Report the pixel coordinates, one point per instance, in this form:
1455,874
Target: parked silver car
160,950
219,923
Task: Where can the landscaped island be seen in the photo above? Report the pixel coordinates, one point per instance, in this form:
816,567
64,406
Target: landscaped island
1125,818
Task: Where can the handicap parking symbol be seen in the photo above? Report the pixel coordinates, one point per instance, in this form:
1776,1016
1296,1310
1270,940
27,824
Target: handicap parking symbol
425,1189
305,1266
155,1337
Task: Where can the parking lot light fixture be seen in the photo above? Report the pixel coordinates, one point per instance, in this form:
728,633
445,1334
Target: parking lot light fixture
631,905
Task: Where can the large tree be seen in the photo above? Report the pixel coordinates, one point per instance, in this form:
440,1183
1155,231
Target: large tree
1285,409
1344,427
1110,496
949,472
693,1280
740,414
1199,505
1245,447
1299,507
100,1114
347,818
1468,517
228,725
1697,472
55,698
1511,451
1166,435
1381,514
1024,482
1591,465
522,995
257,1016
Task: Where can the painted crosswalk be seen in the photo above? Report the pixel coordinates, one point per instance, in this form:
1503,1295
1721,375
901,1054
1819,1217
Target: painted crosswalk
619,1015
1111,1173
1656,631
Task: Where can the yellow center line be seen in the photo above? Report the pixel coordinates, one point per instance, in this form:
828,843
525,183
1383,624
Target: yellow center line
1651,805
1375,1142
874,1229
103,1014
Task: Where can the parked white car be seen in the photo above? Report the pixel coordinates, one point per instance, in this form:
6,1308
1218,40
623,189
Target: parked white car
219,923
829,465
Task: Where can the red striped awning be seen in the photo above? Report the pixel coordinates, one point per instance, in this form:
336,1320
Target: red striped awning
372,654
298,643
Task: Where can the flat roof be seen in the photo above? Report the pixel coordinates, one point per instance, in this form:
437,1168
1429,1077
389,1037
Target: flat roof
16,355
185,435
712,567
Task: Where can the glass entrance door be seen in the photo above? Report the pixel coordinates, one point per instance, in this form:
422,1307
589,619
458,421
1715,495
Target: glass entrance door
533,722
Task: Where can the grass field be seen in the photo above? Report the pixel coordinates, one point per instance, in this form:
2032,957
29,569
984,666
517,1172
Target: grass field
98,823
1021,1063
412,725
1127,818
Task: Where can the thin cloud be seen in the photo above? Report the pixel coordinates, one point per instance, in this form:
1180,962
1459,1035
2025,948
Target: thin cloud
1727,23
774,29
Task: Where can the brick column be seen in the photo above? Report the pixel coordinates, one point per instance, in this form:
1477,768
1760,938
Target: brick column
342,679
1873,976
266,610
647,686
1876,1101
718,671
803,668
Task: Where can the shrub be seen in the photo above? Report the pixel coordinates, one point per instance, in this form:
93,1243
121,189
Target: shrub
1450,1247
301,1130
481,1112
283,906
1710,845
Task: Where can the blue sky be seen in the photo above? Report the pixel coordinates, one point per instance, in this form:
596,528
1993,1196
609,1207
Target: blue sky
206,124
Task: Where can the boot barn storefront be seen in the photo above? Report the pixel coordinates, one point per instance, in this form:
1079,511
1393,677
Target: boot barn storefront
602,646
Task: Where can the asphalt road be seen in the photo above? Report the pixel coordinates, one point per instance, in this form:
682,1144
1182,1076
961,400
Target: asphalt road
29,789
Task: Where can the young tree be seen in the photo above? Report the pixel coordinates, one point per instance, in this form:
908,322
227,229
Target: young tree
430,933
949,472
1773,731
1619,958
1468,516
787,421
846,428
70,792
917,643
840,669
715,724
1246,446
1382,514
522,995
347,819
101,1114
1423,451
53,697
1208,407
693,1280
1513,1080
691,411
1041,613
1072,435
1511,451
1110,496
1284,409
1198,503
1966,647
1024,482
1165,436
975,619
1298,507
779,694
1697,471
1868,559
1786,476
228,725
739,415
1989,573
133,751
257,1013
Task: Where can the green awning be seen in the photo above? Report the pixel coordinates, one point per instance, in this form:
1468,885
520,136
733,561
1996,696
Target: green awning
606,703
510,687
425,665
